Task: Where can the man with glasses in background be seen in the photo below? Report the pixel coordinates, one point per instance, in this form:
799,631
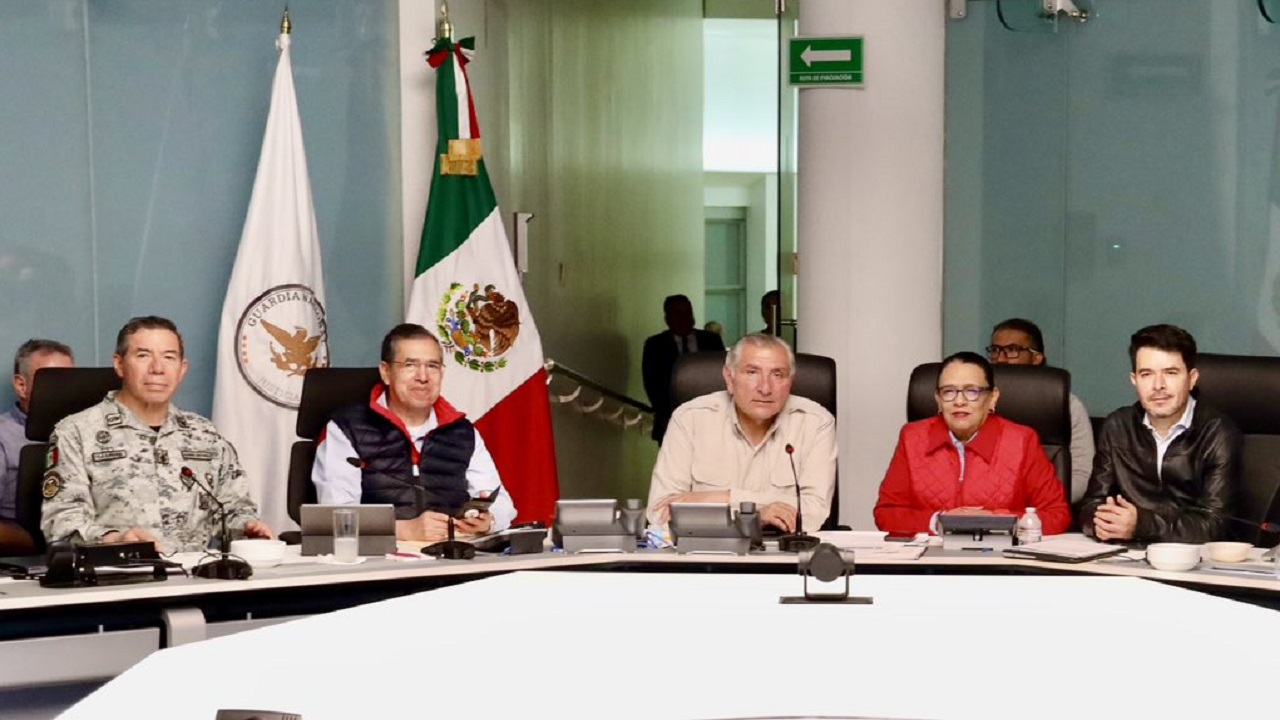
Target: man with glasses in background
410,448
1020,342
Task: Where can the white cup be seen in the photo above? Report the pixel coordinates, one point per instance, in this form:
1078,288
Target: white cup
346,536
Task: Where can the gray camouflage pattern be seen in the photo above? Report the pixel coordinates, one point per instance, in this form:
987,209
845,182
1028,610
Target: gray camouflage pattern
111,472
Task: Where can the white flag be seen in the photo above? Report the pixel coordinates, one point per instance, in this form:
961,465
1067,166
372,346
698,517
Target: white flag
273,323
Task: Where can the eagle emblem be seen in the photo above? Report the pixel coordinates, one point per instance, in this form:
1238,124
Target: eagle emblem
273,359
298,350
479,326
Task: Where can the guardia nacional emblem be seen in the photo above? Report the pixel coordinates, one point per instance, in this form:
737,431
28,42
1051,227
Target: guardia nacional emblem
281,335
478,326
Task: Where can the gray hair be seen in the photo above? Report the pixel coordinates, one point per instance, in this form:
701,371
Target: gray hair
37,346
758,340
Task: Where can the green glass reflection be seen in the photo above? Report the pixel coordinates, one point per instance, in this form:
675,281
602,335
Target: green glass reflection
1026,16
1270,10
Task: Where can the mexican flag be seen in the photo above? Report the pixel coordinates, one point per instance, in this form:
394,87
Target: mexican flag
468,292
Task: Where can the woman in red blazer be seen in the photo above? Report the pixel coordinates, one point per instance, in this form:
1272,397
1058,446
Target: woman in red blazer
1003,468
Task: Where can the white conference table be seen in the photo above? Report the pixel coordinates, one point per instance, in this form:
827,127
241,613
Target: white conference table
57,636
632,645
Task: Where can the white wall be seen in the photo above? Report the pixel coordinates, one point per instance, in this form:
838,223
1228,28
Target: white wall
870,225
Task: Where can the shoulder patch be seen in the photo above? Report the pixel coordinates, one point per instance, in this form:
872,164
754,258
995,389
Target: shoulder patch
52,485
51,457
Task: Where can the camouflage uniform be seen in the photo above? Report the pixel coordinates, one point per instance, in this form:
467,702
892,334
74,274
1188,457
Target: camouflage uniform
106,470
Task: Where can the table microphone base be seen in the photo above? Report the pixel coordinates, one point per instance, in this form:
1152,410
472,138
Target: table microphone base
451,550
797,543
224,568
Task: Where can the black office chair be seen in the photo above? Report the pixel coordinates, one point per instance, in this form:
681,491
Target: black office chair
324,392
55,394
1031,395
1245,388
701,373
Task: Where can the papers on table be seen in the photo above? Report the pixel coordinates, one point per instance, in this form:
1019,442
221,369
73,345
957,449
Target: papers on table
1250,567
869,545
1064,550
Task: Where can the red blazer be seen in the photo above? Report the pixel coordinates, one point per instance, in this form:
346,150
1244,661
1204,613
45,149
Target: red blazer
1005,469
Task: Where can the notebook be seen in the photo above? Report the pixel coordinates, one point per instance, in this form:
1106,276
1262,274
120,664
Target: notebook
1063,550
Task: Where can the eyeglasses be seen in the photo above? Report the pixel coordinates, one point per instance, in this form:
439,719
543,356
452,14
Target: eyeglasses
1009,351
411,367
971,393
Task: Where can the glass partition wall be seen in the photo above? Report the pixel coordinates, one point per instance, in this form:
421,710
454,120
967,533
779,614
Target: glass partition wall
643,136
1114,173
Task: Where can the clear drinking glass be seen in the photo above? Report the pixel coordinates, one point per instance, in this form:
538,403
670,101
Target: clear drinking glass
346,536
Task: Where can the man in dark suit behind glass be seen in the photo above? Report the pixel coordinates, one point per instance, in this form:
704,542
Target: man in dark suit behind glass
661,352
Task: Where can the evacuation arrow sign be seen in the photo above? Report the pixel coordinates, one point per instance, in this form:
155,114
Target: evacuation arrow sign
825,61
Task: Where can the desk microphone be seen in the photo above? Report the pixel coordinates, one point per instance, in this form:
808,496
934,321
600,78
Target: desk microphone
799,541
225,567
451,549
1263,526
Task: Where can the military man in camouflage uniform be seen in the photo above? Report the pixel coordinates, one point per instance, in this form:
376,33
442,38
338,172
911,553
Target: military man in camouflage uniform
135,468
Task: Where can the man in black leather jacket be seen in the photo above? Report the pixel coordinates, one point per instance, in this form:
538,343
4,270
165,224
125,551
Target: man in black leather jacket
1166,467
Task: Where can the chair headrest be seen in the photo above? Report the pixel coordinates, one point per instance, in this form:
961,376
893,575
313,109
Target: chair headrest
59,392
1244,388
1031,395
327,390
700,373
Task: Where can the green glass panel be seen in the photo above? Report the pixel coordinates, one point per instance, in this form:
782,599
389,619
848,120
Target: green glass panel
1026,16
1270,10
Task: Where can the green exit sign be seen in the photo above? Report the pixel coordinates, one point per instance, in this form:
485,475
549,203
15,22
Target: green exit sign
817,61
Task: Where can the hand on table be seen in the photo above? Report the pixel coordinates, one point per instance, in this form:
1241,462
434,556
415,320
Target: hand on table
430,526
779,515
131,535
1117,519
258,529
662,509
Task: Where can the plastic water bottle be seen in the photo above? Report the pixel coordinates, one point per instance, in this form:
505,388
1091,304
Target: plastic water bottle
1029,527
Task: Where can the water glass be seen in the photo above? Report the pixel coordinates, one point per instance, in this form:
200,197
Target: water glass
346,535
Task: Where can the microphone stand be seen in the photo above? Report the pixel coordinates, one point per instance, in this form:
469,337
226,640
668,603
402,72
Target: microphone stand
799,541
225,567
451,549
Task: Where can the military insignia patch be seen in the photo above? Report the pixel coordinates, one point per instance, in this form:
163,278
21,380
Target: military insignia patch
52,485
204,501
109,455
114,419
51,458
103,437
162,456
182,422
478,327
205,455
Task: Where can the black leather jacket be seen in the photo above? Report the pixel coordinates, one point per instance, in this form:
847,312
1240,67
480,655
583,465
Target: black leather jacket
1190,500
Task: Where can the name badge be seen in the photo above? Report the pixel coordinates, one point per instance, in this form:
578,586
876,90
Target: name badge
109,455
205,455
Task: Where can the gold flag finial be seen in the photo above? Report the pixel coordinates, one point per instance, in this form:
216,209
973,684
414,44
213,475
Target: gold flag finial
444,28
286,27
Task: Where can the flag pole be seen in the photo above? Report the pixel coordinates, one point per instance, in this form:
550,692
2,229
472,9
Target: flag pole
286,27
